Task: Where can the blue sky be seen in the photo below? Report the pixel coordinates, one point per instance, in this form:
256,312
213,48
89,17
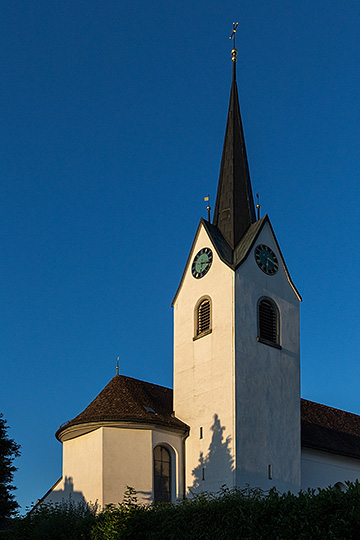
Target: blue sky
113,117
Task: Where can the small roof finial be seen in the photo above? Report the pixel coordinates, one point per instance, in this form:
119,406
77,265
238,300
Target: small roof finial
233,34
117,366
258,206
208,208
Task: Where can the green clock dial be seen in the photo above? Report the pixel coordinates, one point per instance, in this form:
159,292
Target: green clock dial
201,263
266,259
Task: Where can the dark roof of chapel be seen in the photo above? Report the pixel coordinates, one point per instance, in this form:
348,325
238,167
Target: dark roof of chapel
131,400
125,399
329,429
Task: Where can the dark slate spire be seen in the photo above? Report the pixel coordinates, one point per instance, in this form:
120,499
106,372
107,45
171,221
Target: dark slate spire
234,207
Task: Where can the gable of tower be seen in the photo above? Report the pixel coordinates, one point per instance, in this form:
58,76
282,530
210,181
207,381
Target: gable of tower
262,233
206,236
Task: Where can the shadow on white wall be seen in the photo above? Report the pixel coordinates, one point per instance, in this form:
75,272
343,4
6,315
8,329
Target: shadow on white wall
216,465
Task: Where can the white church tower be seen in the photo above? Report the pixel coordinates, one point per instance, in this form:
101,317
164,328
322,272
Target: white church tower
236,341
234,416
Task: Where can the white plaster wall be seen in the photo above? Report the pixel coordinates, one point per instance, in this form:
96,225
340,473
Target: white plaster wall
322,469
204,374
83,461
82,470
127,461
267,379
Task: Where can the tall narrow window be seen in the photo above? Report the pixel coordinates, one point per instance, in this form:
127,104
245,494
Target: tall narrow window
268,322
203,317
162,475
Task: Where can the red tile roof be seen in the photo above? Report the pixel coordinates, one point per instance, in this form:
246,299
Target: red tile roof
329,429
127,399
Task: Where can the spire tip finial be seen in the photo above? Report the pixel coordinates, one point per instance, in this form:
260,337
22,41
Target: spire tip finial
233,34
117,365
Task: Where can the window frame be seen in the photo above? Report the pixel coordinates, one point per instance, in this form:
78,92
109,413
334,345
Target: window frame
157,495
276,311
198,335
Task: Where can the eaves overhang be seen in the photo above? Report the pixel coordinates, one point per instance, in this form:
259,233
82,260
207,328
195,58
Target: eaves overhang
325,450
71,431
330,430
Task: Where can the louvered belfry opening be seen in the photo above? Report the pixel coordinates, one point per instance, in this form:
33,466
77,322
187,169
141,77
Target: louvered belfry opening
162,475
268,321
203,320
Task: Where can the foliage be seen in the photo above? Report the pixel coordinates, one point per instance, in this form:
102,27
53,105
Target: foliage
9,450
58,521
244,514
247,514
112,522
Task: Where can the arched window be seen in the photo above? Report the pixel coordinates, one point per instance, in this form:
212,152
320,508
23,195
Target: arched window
162,474
268,322
203,317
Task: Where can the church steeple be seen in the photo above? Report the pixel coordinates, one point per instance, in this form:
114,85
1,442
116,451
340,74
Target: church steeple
234,207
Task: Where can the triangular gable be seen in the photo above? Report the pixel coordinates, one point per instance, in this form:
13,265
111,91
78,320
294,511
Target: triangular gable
220,245
247,242
235,258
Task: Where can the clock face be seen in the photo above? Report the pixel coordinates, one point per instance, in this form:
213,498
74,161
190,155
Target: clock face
201,263
266,259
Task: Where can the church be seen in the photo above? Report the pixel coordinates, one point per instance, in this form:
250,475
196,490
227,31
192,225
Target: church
235,416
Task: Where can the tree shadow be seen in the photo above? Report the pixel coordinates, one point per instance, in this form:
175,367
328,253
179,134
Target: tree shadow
215,469
55,495
144,497
64,491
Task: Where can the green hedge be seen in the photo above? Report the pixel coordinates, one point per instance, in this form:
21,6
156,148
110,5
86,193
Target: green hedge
241,514
231,514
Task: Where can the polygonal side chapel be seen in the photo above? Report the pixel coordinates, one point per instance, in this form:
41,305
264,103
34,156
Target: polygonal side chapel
235,416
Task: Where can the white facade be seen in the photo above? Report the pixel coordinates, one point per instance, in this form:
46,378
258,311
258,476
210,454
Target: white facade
267,378
204,375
